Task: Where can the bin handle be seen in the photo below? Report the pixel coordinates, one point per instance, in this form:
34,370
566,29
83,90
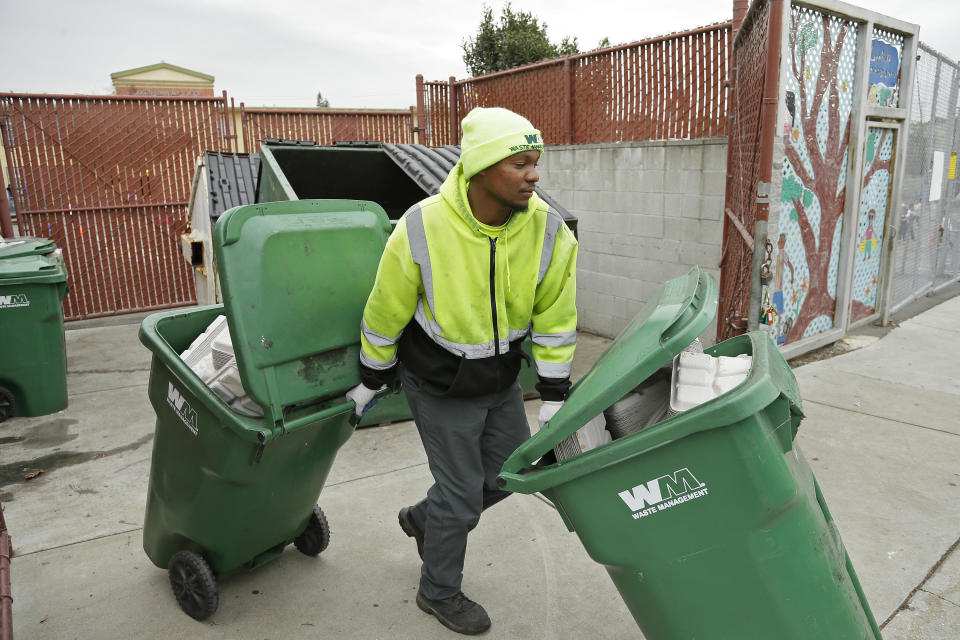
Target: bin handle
335,410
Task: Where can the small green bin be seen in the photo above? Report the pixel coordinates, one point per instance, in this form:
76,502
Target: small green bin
33,364
26,246
710,522
229,491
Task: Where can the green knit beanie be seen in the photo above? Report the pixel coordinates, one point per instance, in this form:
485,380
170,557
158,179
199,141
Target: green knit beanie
492,134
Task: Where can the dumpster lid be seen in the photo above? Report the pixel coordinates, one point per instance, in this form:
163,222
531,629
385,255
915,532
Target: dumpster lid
295,277
32,269
673,318
26,246
232,180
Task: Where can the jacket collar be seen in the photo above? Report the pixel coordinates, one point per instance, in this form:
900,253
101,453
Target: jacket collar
454,192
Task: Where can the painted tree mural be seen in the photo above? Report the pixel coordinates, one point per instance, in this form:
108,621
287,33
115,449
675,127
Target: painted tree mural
819,101
874,206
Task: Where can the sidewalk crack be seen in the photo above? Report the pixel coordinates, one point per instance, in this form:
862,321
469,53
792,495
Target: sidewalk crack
937,595
137,370
375,475
23,554
879,417
906,601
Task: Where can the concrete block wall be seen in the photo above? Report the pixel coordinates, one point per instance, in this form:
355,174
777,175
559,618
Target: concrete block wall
648,212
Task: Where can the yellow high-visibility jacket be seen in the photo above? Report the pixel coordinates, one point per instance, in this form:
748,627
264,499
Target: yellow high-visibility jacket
454,298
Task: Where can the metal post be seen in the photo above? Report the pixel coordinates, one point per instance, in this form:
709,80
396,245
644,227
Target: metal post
421,128
727,229
6,223
225,140
568,100
768,132
6,595
739,10
233,124
247,143
454,118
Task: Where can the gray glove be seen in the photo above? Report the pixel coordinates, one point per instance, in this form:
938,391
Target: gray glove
363,398
547,410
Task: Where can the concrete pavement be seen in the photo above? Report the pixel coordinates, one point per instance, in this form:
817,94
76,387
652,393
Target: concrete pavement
881,434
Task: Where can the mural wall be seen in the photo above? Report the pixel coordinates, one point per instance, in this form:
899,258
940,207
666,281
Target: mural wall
874,208
886,50
801,300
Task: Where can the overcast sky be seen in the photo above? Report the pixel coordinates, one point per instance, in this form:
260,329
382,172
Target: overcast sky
358,54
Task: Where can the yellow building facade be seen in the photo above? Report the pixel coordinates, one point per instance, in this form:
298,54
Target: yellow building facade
162,79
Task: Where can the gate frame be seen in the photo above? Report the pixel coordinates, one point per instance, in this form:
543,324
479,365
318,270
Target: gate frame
863,115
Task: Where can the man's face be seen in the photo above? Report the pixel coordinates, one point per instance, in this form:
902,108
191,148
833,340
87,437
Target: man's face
511,181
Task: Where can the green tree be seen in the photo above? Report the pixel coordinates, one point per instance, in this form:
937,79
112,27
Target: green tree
519,38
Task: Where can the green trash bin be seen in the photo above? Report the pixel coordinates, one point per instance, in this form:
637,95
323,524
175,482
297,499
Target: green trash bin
26,246
230,491
33,364
709,522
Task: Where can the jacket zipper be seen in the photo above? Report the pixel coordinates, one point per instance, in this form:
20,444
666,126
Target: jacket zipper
493,295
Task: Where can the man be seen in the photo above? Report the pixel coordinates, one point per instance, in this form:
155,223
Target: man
465,276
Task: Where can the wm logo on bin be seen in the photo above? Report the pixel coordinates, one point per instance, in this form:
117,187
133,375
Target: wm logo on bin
15,300
182,408
663,493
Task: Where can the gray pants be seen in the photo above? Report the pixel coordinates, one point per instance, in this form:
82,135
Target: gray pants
467,441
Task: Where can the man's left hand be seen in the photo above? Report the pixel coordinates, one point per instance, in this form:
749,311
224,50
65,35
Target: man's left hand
547,410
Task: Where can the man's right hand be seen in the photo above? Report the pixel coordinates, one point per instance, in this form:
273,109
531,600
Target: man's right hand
363,398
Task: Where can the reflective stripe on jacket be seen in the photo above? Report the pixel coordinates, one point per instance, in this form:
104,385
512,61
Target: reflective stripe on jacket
475,292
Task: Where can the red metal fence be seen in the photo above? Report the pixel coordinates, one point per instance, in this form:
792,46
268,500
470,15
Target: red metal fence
325,126
749,158
671,86
108,178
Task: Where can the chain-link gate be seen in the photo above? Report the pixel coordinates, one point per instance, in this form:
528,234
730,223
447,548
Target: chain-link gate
927,245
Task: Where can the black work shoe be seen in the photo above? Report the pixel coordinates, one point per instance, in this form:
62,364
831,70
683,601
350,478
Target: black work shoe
458,612
411,529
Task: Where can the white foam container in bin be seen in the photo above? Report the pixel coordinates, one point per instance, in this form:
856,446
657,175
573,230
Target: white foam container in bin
211,357
700,377
198,354
222,349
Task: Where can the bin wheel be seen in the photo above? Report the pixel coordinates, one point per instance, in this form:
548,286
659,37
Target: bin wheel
193,584
316,536
6,404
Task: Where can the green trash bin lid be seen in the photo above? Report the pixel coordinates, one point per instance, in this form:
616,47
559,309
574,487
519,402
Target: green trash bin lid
26,246
676,315
295,278
32,269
